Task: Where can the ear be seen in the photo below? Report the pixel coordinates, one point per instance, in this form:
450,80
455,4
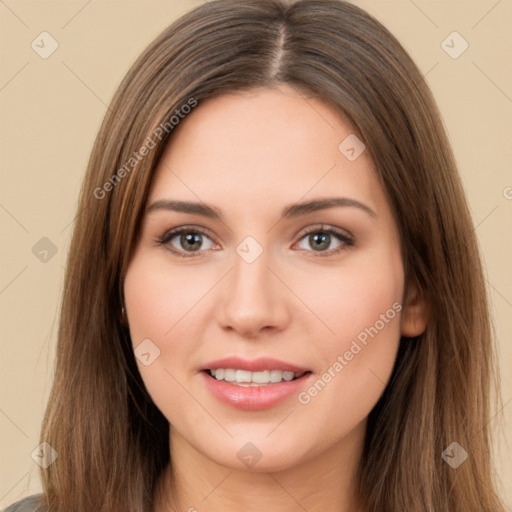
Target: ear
415,311
122,315
124,319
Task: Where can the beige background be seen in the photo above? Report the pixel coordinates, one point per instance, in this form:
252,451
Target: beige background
51,109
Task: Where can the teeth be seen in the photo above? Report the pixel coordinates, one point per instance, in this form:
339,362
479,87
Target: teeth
247,378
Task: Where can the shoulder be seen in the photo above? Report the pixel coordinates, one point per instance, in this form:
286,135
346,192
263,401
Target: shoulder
33,503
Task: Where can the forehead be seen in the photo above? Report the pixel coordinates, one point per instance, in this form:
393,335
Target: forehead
262,147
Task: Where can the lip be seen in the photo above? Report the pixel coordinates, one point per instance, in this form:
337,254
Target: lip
253,365
254,398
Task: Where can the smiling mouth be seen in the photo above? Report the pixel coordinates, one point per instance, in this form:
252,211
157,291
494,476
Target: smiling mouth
246,378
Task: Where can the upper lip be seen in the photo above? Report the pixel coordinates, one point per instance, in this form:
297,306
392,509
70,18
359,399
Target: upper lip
253,365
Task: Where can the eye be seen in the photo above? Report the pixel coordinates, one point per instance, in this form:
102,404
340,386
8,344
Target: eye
189,242
320,239
185,241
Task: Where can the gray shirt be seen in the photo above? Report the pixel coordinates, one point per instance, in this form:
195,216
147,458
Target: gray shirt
33,503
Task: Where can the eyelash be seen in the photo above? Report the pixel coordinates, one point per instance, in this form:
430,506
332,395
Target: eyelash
347,241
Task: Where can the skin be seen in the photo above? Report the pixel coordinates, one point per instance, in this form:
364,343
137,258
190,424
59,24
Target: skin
249,155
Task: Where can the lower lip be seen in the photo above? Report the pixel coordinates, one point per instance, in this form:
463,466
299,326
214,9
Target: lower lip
254,398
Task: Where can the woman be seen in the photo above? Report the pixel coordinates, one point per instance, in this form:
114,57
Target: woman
274,296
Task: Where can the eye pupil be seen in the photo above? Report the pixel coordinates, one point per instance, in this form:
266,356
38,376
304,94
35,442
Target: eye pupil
322,238
190,240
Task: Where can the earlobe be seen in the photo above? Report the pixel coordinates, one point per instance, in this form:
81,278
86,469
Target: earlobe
124,318
415,311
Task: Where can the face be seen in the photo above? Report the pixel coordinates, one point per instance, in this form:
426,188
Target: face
319,290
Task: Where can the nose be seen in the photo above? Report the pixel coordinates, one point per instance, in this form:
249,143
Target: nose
253,299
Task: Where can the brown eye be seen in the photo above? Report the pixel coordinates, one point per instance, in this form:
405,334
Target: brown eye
186,241
191,241
320,240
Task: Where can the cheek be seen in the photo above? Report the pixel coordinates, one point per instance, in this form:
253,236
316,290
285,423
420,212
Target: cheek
351,298
159,311
160,308
145,303
159,299
362,306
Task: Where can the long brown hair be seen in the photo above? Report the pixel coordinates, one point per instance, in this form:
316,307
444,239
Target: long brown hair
112,441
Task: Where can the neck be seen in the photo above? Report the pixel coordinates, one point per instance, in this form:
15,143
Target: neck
326,481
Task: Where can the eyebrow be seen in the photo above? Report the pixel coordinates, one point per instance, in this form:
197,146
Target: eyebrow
289,211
